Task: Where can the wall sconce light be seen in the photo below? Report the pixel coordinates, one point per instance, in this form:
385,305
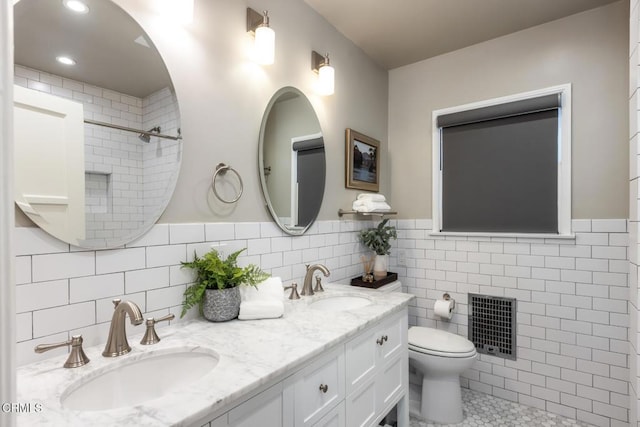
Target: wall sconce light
320,64
265,37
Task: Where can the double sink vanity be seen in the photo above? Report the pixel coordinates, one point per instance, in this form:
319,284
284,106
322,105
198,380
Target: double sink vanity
338,358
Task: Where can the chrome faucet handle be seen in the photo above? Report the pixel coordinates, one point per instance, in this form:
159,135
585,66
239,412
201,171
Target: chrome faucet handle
150,335
294,291
76,358
318,287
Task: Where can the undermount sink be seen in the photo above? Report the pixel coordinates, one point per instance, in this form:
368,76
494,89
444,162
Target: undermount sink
340,303
137,381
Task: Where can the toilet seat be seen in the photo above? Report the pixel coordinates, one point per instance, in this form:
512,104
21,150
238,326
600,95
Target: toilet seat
439,343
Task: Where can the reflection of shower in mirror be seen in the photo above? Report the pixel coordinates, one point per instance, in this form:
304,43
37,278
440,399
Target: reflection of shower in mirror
146,137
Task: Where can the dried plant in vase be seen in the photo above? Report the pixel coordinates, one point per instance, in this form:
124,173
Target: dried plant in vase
367,264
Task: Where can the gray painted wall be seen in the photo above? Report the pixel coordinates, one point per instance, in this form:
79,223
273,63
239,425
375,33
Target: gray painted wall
588,50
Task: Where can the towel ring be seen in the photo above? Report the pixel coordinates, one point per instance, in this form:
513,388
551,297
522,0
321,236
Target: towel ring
221,169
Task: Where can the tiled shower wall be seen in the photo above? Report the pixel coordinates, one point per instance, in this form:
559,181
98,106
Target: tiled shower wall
159,155
63,291
572,316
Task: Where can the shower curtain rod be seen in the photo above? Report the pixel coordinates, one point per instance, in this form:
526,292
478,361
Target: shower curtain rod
138,131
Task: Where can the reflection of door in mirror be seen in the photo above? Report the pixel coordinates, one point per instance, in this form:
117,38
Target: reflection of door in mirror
293,162
307,172
119,79
49,162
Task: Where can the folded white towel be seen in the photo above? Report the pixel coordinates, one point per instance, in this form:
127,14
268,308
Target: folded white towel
370,206
269,290
264,301
374,197
270,309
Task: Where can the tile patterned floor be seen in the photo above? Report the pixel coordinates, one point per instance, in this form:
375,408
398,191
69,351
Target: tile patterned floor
483,410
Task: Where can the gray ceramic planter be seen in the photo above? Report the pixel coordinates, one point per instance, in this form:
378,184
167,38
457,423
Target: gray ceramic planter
221,305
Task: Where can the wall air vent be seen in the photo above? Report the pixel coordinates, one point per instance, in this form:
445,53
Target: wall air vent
492,325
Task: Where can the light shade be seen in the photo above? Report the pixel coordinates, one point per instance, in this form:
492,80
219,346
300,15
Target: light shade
326,74
265,45
265,38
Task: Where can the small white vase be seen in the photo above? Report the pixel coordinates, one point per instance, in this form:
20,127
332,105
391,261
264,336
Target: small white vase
380,266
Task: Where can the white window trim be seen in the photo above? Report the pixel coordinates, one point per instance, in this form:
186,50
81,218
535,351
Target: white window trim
564,162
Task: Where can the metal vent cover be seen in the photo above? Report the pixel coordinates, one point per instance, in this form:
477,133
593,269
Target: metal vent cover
492,325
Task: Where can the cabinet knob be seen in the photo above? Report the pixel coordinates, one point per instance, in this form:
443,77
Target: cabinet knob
382,339
324,388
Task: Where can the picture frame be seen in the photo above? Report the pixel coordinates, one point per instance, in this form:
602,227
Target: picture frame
362,161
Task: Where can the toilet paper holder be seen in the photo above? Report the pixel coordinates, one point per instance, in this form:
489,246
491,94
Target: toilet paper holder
447,297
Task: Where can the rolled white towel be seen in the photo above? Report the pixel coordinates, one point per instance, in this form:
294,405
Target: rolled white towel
374,197
268,290
269,309
370,206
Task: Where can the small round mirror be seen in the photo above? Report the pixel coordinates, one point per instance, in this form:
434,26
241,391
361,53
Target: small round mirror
292,161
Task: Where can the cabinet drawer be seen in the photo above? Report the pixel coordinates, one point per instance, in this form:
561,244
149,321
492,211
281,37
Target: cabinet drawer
319,388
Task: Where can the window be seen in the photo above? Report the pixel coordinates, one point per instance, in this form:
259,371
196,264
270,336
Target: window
503,166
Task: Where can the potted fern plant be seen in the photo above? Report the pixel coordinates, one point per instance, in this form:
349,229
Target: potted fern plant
215,290
378,240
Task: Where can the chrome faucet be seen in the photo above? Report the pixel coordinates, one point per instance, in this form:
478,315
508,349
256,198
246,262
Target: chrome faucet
117,343
307,289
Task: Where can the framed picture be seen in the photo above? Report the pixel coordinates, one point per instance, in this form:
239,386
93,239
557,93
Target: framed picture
362,161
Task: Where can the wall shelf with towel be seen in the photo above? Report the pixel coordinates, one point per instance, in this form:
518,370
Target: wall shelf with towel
372,213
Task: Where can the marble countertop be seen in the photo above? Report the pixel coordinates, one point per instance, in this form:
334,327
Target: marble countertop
252,354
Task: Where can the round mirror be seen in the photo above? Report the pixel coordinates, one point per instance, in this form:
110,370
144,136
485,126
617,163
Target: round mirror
96,123
292,161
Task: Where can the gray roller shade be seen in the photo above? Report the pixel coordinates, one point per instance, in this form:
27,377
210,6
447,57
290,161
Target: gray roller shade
501,175
541,103
308,144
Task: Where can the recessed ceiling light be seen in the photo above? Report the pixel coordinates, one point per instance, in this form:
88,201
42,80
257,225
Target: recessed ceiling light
76,6
65,60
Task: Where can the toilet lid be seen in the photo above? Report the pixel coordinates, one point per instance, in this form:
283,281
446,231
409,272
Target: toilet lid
438,341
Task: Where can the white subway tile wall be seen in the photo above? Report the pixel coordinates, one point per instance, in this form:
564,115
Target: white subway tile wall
65,290
572,321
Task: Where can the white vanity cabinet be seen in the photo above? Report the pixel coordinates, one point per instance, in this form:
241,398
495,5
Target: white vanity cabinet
354,383
316,389
376,371
264,409
335,418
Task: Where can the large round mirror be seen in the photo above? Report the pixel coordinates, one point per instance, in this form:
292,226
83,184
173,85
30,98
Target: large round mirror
292,161
97,134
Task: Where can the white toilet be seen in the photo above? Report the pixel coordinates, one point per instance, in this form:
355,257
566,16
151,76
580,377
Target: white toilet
440,357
